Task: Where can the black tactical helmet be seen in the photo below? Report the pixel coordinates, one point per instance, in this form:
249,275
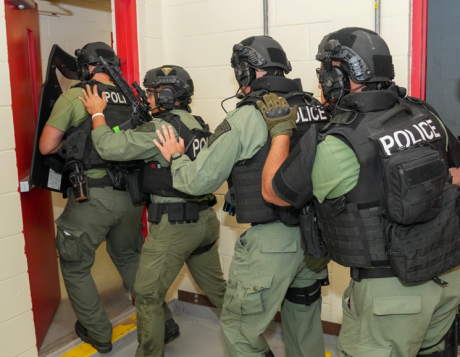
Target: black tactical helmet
90,54
257,52
363,54
170,75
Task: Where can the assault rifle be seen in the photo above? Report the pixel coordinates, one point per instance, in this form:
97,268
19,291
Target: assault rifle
140,108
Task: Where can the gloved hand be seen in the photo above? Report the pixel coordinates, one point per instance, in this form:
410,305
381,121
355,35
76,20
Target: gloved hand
278,115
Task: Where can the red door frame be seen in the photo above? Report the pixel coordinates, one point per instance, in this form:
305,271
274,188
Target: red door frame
419,41
128,48
126,37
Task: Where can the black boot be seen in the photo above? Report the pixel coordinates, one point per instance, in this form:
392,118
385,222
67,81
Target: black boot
101,347
269,354
171,330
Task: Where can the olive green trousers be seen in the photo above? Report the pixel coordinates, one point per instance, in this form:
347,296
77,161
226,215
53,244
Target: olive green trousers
269,259
166,249
385,318
81,228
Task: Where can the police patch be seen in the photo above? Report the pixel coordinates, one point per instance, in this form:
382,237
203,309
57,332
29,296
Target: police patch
221,129
166,70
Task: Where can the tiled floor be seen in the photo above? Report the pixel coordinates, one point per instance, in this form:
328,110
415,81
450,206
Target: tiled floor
204,339
201,336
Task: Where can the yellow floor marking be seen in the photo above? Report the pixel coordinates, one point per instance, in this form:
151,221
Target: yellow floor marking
123,328
126,326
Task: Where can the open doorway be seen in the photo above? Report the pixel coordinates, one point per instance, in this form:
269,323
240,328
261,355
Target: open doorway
71,24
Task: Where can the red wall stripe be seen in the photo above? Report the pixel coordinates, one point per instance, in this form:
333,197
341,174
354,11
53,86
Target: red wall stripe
126,35
419,39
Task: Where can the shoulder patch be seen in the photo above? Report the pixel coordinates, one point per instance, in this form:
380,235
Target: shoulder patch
221,129
147,127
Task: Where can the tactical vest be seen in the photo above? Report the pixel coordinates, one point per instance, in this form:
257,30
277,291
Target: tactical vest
157,180
392,216
79,145
245,182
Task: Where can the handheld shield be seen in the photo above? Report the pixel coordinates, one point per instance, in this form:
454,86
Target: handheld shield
47,170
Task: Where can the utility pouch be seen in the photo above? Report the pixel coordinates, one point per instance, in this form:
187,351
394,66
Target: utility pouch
134,187
176,212
311,235
191,212
75,145
421,252
413,182
155,212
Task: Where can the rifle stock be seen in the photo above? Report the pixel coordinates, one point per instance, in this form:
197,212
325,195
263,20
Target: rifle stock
139,106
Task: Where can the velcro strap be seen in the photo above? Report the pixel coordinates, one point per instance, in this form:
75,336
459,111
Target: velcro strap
358,274
203,249
305,296
284,125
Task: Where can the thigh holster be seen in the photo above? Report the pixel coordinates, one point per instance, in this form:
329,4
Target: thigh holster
307,295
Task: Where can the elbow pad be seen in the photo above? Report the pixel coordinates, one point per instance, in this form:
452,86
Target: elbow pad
292,182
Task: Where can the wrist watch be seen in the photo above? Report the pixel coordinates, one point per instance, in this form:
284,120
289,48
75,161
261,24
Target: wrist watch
175,156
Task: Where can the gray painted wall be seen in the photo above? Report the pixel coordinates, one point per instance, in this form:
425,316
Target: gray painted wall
443,61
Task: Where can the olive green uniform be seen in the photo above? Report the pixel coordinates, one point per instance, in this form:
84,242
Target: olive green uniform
167,245
268,258
383,317
82,227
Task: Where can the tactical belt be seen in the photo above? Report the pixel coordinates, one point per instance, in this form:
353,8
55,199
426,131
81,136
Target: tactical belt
307,295
203,249
358,274
103,182
179,212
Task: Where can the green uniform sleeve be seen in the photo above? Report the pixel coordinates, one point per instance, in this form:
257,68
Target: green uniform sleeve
335,171
130,144
68,111
240,136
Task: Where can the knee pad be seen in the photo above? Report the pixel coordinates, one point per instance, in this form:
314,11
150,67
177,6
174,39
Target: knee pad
450,339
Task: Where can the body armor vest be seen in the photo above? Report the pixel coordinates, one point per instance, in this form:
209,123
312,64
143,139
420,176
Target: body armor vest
79,145
245,182
374,223
157,180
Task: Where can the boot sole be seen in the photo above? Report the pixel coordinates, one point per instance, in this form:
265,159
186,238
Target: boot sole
172,337
89,340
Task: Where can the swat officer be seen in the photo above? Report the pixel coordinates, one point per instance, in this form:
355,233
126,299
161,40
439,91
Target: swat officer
84,225
384,201
268,264
185,227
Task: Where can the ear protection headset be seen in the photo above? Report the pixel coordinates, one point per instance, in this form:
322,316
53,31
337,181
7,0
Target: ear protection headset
166,97
334,81
244,61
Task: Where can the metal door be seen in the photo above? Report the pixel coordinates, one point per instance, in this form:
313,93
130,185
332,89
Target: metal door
23,41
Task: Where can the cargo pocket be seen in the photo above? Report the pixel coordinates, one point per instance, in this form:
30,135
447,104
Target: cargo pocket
397,305
357,349
246,288
68,243
277,245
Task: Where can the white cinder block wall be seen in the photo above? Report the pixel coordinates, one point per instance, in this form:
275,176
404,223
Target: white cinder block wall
17,331
199,35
